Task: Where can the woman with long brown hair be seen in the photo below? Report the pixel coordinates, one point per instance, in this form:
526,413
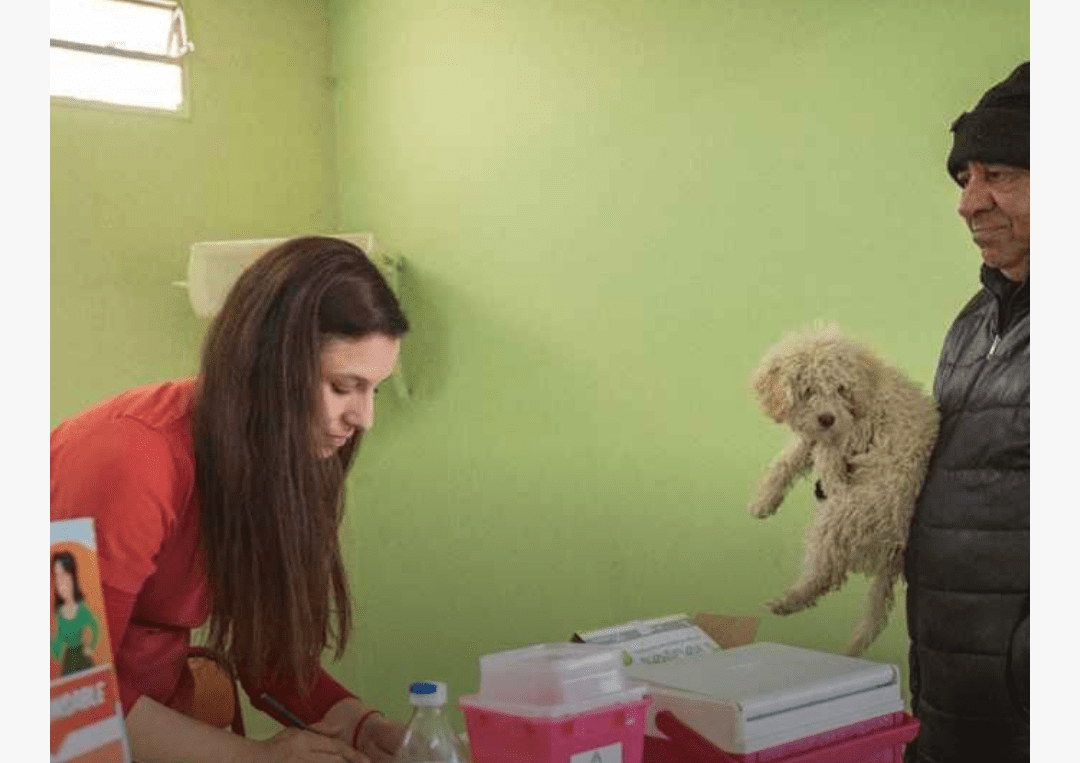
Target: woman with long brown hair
217,500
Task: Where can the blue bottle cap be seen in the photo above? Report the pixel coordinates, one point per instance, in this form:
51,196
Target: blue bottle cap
427,693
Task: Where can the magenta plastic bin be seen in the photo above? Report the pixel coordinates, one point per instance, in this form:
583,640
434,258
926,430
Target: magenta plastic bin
556,703
875,740
614,733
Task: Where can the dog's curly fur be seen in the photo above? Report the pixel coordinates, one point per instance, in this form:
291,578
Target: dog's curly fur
866,432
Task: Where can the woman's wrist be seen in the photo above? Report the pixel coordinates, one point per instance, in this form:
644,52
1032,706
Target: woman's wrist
366,716
247,750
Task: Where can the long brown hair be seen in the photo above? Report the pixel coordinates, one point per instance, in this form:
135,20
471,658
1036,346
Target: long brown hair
66,560
271,506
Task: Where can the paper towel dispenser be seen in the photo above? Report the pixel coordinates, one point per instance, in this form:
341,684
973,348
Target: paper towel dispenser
214,266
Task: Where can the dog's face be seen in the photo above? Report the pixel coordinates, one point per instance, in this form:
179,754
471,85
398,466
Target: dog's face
817,382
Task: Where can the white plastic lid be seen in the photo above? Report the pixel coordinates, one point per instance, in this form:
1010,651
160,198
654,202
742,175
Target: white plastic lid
552,674
427,693
521,709
765,679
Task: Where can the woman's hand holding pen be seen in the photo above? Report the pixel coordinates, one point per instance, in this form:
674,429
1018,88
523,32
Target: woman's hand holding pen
380,737
349,731
374,735
293,745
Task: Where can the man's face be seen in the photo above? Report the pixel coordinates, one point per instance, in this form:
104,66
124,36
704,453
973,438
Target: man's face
995,204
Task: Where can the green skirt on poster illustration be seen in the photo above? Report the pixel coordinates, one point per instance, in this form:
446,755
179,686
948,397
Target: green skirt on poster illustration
75,659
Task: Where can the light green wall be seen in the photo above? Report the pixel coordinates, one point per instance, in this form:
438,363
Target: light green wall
131,191
609,209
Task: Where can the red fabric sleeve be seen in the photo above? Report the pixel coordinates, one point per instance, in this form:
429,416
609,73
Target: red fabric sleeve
326,693
118,608
124,476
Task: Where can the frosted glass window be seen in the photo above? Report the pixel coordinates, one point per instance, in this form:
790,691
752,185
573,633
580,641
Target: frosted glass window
127,52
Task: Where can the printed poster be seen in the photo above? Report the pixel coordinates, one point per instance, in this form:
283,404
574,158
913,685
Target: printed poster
87,722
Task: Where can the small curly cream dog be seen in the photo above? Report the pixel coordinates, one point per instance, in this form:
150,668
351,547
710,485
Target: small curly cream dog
866,432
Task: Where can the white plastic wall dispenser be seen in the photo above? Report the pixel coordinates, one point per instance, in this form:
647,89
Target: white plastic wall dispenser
214,266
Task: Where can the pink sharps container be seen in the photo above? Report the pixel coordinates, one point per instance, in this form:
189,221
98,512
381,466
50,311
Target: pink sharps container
556,703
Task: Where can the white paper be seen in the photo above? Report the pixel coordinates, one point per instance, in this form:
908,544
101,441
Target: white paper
648,642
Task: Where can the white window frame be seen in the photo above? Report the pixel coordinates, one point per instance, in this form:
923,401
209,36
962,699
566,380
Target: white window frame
185,46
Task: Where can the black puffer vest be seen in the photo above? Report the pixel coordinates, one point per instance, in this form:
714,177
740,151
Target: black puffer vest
967,560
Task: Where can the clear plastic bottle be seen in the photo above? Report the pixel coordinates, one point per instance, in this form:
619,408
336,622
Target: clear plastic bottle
429,737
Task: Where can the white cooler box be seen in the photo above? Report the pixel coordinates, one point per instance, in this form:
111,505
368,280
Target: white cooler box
771,702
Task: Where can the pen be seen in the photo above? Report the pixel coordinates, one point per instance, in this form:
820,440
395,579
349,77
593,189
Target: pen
280,708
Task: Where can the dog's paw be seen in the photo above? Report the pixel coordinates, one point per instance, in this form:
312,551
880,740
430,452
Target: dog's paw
862,637
762,509
860,642
786,604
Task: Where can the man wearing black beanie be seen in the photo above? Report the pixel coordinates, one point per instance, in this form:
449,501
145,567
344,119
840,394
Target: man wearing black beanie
967,557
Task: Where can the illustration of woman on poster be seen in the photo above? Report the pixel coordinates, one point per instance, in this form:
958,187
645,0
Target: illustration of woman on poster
73,617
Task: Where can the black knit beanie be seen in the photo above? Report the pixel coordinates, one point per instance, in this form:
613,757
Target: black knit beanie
997,130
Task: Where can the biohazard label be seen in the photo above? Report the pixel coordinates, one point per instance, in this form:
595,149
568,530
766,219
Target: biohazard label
611,753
